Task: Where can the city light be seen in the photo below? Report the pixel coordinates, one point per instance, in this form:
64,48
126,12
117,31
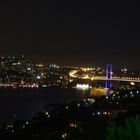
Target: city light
83,86
64,135
38,77
132,83
73,125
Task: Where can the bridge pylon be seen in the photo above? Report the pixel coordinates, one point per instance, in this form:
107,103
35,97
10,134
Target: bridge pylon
108,82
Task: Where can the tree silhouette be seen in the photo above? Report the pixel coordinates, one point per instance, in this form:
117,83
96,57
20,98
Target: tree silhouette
129,131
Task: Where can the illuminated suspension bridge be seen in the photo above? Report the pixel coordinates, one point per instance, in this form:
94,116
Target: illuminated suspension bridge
108,77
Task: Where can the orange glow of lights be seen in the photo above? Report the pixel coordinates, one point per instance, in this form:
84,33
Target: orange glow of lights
73,125
98,91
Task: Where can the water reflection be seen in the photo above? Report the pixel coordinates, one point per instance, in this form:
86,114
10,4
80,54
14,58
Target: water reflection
99,91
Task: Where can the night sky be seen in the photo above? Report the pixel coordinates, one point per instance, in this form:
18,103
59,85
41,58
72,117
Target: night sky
84,33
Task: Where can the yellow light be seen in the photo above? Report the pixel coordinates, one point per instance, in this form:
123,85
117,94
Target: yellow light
86,77
64,135
39,65
73,73
132,83
92,78
98,92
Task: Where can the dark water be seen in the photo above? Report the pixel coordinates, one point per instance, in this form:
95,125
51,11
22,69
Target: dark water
26,102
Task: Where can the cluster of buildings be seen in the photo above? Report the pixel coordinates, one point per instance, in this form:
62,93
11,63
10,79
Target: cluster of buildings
20,72
24,73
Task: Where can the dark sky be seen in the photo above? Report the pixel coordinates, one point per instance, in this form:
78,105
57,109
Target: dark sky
72,32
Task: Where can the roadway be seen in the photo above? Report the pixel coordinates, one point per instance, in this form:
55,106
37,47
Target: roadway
124,79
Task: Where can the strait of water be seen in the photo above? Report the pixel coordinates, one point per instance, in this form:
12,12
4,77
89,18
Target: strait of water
26,102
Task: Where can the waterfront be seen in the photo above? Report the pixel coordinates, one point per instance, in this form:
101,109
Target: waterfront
26,102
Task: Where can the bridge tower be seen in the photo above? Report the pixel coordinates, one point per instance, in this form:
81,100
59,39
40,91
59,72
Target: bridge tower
108,83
